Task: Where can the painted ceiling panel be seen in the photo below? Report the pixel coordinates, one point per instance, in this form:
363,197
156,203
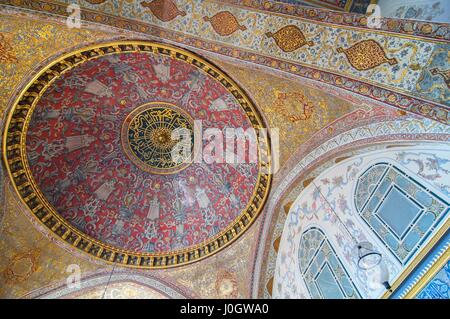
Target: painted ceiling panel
301,68
78,146
295,109
394,70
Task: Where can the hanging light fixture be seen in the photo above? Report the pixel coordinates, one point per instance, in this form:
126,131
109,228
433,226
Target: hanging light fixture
370,261
378,277
368,257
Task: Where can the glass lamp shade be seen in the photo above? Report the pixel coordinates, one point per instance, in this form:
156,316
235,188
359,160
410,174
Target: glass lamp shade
370,263
368,258
378,277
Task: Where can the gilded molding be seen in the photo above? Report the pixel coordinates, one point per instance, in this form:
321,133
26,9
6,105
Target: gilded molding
324,148
430,271
429,275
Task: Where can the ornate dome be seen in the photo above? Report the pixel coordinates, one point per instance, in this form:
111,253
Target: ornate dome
90,143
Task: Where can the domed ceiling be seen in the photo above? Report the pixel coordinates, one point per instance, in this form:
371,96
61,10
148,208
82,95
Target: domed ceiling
89,149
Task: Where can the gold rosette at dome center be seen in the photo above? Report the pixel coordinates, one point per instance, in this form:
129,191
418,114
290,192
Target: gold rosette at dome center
150,141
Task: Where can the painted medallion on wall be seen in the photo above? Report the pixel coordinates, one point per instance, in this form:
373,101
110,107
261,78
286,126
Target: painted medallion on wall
88,145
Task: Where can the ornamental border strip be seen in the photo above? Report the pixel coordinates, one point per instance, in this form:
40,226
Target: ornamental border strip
400,27
395,98
427,30
15,159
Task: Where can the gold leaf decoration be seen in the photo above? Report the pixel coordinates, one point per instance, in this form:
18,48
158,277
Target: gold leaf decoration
164,10
287,207
366,55
21,266
304,107
225,23
6,50
276,244
269,286
289,38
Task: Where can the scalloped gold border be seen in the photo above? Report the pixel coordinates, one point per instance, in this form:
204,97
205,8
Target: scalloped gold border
15,159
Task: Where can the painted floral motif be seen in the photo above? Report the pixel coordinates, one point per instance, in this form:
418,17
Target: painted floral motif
289,38
444,74
303,110
21,266
164,10
346,131
226,284
433,167
425,11
366,55
225,23
76,158
434,80
412,53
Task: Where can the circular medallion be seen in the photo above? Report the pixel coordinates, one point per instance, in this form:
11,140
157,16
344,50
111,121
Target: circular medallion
158,138
87,147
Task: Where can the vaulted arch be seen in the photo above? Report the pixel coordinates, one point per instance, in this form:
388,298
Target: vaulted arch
120,285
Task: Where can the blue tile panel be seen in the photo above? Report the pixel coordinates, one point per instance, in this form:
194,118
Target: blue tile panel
438,287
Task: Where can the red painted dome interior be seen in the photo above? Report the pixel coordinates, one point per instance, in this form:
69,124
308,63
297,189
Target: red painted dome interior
76,158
